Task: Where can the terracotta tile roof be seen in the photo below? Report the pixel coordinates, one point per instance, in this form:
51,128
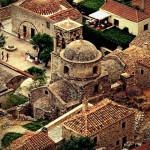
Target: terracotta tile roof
145,62
139,3
124,11
97,118
32,141
64,14
5,12
143,147
43,7
140,39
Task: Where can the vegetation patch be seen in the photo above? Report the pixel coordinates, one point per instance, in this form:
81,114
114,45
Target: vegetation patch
9,137
15,100
7,2
110,38
89,6
34,126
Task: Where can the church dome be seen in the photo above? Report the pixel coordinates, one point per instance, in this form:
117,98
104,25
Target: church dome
81,50
43,7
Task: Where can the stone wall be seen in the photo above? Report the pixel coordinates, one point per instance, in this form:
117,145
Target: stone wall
22,17
142,76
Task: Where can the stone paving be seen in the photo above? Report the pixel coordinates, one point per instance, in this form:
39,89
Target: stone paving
18,58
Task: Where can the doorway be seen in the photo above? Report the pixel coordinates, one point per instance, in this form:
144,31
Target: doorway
32,32
24,29
124,140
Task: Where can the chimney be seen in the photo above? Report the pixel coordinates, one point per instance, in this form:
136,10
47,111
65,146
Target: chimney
143,4
45,130
84,105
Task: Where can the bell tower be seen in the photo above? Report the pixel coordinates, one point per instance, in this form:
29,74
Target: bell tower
65,31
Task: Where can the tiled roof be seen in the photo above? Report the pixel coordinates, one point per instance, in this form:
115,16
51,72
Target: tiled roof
43,7
64,14
145,62
140,39
124,11
143,147
32,141
5,12
139,3
97,118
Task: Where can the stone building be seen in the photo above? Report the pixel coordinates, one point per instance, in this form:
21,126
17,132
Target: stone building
75,73
108,123
30,17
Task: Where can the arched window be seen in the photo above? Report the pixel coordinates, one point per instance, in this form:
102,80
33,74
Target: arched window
95,69
57,40
63,43
46,92
66,69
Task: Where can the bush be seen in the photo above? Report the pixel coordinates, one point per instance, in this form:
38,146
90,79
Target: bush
9,137
34,126
89,6
36,71
7,2
15,100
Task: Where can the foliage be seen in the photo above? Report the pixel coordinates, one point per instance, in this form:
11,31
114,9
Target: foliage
7,2
126,2
78,143
70,1
2,40
113,36
9,137
15,100
34,126
89,6
41,42
36,71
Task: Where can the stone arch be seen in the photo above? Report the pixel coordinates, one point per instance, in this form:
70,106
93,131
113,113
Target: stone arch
29,23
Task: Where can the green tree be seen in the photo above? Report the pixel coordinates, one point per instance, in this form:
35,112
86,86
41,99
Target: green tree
2,40
7,2
42,42
36,71
78,143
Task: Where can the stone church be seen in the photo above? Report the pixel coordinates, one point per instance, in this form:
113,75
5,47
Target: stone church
75,73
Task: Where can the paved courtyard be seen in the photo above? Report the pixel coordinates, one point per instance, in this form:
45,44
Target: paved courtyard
18,58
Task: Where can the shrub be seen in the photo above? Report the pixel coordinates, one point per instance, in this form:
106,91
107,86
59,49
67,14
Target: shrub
15,100
34,126
9,137
36,71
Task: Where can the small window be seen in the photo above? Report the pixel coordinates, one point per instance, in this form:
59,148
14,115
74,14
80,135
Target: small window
48,24
145,27
96,88
117,142
0,105
95,140
94,69
123,124
66,69
46,92
142,71
116,22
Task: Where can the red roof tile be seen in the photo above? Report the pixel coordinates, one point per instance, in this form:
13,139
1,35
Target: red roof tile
143,147
97,118
43,7
139,3
32,141
5,12
124,11
145,62
64,14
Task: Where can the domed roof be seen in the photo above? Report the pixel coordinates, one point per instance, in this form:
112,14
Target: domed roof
81,50
43,7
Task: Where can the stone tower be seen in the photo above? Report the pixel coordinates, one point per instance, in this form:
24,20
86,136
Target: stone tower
65,32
